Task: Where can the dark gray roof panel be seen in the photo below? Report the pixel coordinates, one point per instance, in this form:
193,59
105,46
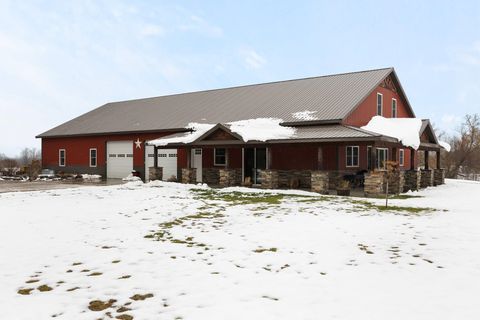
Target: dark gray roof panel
328,97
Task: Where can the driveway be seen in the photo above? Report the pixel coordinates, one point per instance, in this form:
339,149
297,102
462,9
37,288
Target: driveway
19,186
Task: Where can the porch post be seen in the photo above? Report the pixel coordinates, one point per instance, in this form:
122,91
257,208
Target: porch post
189,157
227,156
373,157
337,157
439,166
426,160
155,156
320,158
269,158
412,159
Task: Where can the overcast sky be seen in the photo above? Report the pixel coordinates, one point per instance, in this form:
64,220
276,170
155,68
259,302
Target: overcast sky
59,59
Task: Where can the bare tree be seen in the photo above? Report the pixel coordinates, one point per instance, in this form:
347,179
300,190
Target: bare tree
30,159
464,156
8,166
28,155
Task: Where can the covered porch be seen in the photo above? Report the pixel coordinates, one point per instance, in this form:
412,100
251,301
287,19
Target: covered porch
311,160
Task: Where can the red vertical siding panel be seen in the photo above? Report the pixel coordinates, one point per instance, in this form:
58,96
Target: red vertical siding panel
368,108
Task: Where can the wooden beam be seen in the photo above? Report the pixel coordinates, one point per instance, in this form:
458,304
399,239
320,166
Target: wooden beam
439,160
155,156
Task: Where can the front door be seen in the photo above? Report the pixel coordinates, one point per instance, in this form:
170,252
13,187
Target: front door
197,162
254,160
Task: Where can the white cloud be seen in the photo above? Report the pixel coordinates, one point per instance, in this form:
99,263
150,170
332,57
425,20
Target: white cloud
200,25
252,59
152,30
471,55
451,119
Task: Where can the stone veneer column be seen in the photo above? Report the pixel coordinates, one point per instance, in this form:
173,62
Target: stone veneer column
189,175
227,177
374,183
396,182
269,179
319,181
438,177
412,180
155,173
426,179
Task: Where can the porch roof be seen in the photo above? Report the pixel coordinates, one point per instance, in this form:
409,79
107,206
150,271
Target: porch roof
321,133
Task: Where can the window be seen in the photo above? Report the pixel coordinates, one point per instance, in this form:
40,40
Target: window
382,157
379,104
401,157
352,156
394,108
220,157
93,157
61,157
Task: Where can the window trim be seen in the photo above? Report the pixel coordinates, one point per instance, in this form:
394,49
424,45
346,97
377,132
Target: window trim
378,158
358,157
394,115
215,163
90,157
64,157
381,104
401,156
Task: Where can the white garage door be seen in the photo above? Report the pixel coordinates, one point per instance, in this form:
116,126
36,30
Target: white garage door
167,159
119,159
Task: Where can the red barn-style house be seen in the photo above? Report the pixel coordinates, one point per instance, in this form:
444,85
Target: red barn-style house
157,137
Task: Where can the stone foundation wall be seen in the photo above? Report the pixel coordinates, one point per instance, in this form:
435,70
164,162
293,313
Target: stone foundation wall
412,180
319,181
426,179
211,176
270,179
294,179
438,177
227,177
374,183
155,173
189,175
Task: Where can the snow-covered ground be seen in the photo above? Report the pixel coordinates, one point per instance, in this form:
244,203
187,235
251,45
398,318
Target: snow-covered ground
171,251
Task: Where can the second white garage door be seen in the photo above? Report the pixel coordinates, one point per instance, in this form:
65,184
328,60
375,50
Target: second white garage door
119,159
167,159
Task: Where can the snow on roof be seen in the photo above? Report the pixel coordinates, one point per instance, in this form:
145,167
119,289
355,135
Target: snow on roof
406,130
445,145
260,129
305,115
198,129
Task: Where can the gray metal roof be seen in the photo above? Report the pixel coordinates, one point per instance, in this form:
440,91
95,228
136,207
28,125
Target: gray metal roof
330,97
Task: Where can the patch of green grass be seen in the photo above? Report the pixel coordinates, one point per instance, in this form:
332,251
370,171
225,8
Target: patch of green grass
366,205
238,197
260,250
405,196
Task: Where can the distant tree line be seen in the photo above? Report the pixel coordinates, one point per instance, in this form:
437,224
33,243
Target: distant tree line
464,156
26,163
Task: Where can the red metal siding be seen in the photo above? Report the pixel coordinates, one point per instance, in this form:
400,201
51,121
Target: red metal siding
77,149
368,108
301,157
